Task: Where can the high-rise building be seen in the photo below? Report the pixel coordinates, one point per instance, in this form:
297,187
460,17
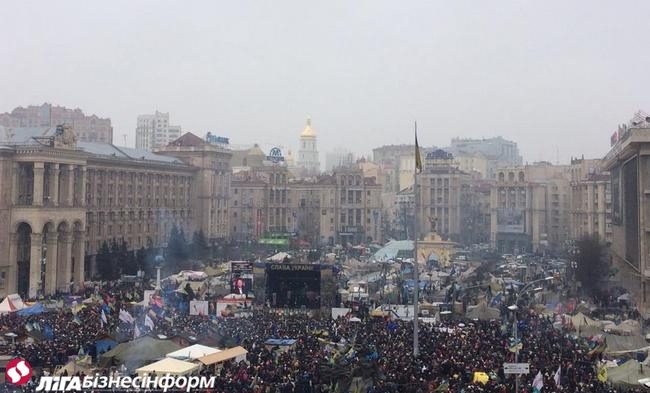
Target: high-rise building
496,151
87,128
308,161
154,131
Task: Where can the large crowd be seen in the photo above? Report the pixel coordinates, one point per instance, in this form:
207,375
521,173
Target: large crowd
371,355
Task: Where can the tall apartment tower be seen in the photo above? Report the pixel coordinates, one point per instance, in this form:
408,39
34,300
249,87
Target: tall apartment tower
154,131
308,152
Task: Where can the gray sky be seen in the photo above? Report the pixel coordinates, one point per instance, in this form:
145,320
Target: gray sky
548,74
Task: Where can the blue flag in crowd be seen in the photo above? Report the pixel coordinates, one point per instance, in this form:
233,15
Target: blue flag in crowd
48,332
497,299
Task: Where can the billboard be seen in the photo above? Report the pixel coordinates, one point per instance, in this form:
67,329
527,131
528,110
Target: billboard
510,220
241,284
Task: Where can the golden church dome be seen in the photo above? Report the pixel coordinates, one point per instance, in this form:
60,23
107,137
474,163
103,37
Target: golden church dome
308,131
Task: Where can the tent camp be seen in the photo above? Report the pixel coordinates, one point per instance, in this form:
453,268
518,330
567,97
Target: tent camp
134,354
236,353
11,303
622,344
168,366
628,327
627,375
73,367
192,352
482,312
580,320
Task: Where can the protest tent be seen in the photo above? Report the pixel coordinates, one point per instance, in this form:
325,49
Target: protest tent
11,303
104,345
580,320
628,374
134,354
238,354
279,257
37,308
482,312
628,327
193,352
168,366
624,344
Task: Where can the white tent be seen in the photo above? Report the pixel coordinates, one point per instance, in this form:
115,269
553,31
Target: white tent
238,354
192,352
279,257
11,303
168,366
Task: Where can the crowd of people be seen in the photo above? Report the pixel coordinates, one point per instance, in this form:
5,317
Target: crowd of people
371,355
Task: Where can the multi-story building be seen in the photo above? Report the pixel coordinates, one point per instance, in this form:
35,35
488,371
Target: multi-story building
320,210
628,162
154,131
350,207
261,203
88,128
590,200
441,185
61,199
496,151
530,208
308,161
389,160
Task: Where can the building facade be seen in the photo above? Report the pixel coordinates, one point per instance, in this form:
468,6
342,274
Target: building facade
590,200
530,208
497,152
154,131
64,198
628,162
87,128
441,186
330,209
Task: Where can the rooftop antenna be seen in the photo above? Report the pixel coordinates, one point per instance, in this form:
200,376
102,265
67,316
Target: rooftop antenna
124,135
557,155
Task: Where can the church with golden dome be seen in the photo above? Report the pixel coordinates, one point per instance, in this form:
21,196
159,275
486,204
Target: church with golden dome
308,162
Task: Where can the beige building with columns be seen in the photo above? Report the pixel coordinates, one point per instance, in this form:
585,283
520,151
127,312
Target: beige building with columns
62,199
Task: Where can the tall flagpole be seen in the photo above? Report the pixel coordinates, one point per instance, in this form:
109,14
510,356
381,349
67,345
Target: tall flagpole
416,268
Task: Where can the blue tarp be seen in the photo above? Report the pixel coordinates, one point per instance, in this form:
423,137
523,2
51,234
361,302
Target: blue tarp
105,345
37,308
279,342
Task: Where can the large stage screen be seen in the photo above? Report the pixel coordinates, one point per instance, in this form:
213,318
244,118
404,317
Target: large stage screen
293,285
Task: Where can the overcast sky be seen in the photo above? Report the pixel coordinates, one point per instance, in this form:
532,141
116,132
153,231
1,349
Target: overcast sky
548,74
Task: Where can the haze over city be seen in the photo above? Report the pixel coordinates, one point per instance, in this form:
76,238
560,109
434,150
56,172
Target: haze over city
555,77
